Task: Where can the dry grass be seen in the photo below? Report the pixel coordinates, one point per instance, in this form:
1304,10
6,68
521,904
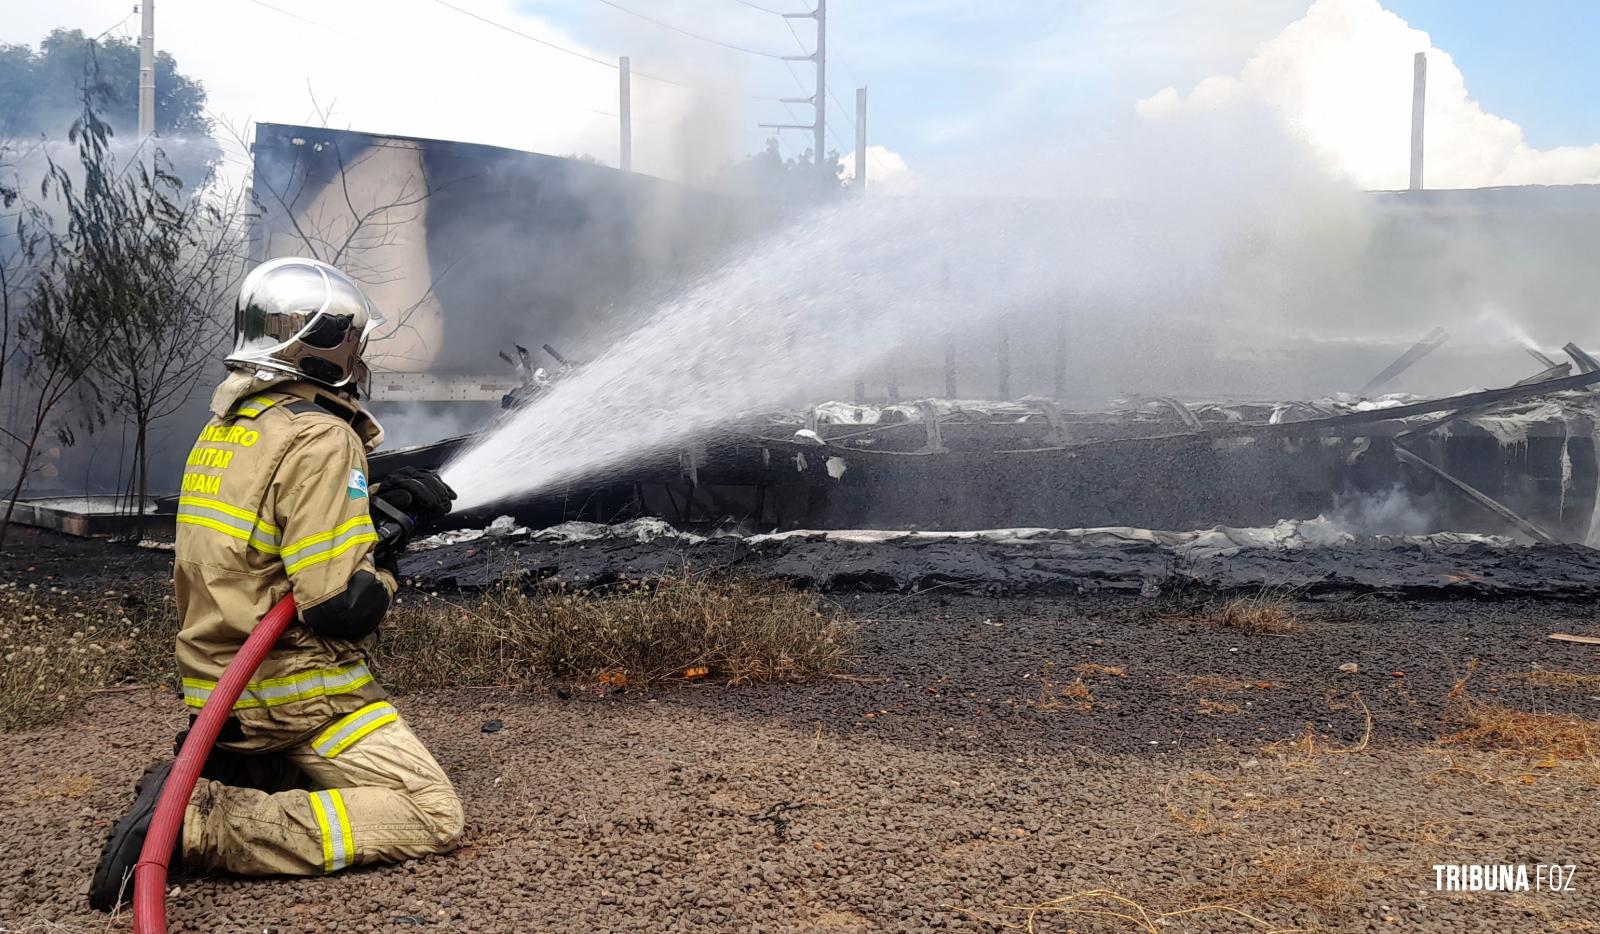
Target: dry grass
1322,877
1074,695
1360,609
1571,680
1268,613
1104,905
1260,616
58,646
681,628
1216,684
1201,820
1308,746
55,786
1091,669
1490,725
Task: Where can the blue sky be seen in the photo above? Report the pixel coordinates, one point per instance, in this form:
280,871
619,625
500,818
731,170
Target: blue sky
949,79
945,74
1532,61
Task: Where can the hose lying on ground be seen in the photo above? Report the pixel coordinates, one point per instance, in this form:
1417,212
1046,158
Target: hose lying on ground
150,874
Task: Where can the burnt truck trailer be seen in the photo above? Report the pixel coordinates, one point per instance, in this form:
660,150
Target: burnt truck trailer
1517,460
474,250
471,249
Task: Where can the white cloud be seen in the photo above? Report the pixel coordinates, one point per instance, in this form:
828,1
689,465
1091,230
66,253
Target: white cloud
1340,78
886,169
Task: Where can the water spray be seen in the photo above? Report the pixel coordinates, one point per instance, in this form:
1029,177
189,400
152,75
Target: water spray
809,309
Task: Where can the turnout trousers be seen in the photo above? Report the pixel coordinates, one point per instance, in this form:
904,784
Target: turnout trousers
363,790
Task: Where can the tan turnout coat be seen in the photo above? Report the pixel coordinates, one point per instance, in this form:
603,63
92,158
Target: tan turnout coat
274,498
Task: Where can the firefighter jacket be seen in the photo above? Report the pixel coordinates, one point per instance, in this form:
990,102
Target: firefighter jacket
274,500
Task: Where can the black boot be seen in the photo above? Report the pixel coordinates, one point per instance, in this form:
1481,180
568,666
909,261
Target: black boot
113,877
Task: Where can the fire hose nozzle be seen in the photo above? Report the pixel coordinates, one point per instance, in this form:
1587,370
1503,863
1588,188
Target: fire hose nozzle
394,528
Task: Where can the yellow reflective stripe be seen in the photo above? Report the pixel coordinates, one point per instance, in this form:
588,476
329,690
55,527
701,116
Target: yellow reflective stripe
348,730
333,553
330,535
325,546
232,532
216,526
348,840
271,692
231,510
250,408
320,811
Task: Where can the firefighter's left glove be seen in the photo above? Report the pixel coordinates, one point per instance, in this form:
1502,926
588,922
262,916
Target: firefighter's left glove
407,503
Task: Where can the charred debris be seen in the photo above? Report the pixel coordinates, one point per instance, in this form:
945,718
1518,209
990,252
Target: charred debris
1518,461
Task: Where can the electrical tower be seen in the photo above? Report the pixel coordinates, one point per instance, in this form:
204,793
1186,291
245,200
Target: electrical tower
818,100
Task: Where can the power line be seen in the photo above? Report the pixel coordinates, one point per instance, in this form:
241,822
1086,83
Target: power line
682,31
117,25
845,114
598,61
870,154
800,43
756,6
309,22
517,32
843,110
831,131
292,15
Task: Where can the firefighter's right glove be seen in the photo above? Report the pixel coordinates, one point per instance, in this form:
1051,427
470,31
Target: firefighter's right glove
408,502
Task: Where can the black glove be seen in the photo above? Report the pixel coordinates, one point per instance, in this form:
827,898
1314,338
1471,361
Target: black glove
407,502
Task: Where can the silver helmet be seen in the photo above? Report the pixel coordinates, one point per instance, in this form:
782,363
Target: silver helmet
303,318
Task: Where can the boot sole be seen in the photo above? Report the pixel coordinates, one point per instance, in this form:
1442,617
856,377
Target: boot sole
121,852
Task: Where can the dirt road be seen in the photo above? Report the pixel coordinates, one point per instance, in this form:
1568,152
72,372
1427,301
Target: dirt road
992,755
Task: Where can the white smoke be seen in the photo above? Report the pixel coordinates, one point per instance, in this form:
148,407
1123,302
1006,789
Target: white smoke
1111,234
1394,511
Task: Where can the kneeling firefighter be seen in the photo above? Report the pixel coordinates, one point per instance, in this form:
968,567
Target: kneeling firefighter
315,769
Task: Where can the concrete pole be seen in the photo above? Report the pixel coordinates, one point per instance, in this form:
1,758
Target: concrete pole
950,345
147,68
861,141
1061,360
1004,360
625,113
1419,96
829,177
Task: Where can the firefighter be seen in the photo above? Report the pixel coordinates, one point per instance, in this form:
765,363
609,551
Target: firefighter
315,770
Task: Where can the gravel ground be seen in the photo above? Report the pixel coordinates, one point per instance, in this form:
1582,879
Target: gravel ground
963,776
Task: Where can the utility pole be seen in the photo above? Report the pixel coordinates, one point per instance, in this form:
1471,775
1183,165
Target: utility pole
1061,358
821,147
950,345
1419,96
625,113
819,100
147,68
1004,360
861,141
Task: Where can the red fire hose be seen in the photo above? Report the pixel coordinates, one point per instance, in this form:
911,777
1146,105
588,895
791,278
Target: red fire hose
150,874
